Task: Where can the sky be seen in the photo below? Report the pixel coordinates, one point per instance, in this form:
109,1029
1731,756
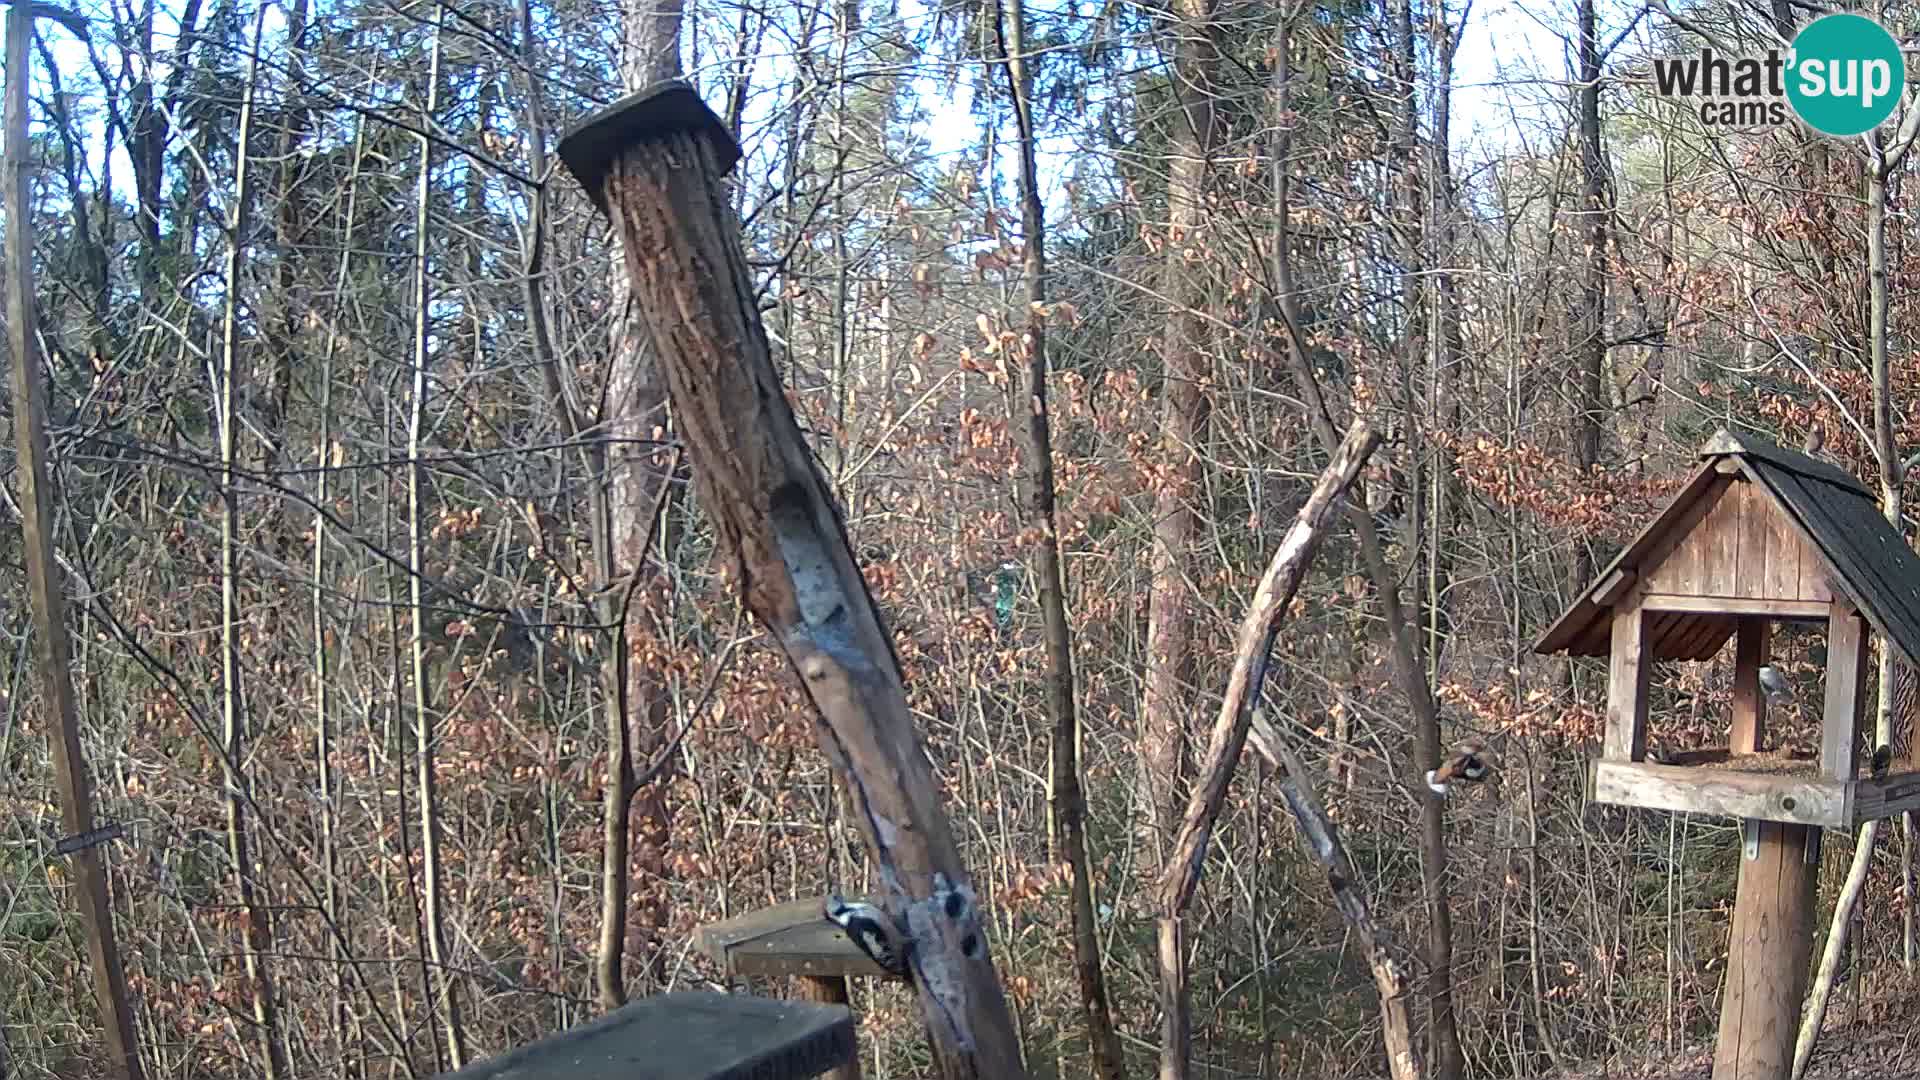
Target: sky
1509,64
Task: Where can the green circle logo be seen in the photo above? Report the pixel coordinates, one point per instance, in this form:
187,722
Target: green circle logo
1847,74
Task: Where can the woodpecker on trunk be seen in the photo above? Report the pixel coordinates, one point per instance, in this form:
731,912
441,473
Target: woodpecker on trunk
873,931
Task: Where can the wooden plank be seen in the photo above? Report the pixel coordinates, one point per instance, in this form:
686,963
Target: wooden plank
1628,668
1840,719
793,938
1769,948
1803,800
1720,534
1755,516
1885,798
1737,605
1787,553
1672,560
1750,649
1707,637
1613,586
686,1036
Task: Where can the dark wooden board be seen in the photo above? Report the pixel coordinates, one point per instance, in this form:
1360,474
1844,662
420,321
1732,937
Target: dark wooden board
686,1036
793,938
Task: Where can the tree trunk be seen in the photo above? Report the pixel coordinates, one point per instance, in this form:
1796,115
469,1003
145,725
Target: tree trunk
259,934
52,649
1027,399
636,709
1166,704
783,532
426,735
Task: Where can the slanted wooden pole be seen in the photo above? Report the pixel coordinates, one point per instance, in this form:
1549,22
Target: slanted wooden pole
654,162
1768,952
51,651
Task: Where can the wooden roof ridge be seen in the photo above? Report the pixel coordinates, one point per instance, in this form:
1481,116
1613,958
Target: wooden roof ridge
1868,561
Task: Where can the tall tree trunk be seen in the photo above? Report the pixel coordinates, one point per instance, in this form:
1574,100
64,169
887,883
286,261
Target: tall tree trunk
259,934
1589,323
1449,1063
426,734
1027,399
1167,704
53,649
636,704
1882,161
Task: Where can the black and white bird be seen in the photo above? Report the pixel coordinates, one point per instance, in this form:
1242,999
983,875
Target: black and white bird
1779,692
1470,760
873,931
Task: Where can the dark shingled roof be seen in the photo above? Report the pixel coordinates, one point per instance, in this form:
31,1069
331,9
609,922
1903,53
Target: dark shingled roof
1867,560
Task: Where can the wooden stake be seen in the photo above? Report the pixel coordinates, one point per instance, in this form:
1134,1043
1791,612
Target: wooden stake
51,650
831,990
1767,954
1751,643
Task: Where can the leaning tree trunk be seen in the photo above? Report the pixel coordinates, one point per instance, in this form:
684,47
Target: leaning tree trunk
656,166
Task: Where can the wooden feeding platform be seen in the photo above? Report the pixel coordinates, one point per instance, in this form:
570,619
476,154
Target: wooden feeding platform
686,1036
792,939
1757,535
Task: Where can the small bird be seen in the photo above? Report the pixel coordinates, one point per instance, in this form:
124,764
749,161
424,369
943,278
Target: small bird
872,931
1816,438
1470,760
1882,760
1779,692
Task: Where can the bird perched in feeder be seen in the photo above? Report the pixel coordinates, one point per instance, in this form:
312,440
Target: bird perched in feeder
1470,760
1779,692
1882,761
872,931
1816,438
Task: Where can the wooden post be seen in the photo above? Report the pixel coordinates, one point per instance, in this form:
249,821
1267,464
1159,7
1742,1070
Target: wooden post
51,650
1628,668
831,990
1751,642
655,162
1767,953
1840,721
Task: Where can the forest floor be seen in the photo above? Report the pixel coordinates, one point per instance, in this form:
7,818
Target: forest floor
1887,1048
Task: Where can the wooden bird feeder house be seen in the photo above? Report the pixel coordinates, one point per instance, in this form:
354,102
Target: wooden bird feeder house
1758,535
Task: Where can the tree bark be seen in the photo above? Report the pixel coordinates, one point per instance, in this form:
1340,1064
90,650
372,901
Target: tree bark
780,527
1238,719
636,705
52,650
1170,628
1027,399
426,734
258,932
